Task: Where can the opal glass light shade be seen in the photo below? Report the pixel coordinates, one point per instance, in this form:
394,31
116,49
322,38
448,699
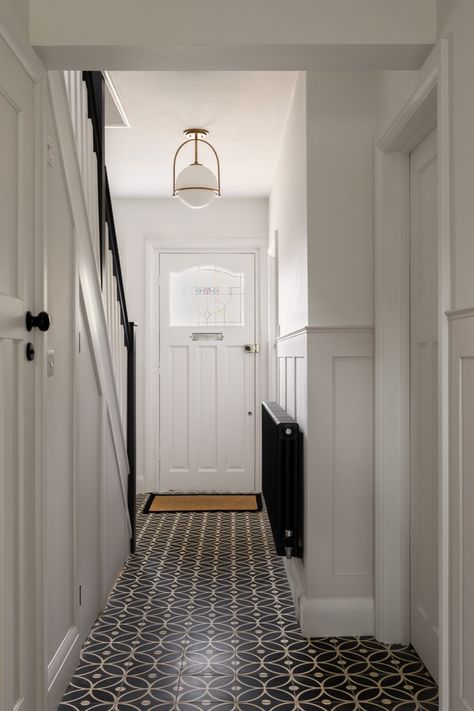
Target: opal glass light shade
196,186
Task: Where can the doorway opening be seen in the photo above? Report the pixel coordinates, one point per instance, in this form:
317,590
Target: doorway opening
207,377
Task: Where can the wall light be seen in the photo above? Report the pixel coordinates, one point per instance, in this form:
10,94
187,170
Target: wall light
196,186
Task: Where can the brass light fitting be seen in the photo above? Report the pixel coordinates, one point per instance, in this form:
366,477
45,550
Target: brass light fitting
196,185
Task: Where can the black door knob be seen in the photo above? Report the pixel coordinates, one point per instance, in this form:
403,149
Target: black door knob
41,321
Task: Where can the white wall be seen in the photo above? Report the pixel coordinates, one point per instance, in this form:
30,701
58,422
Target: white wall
168,219
321,208
288,216
393,91
341,127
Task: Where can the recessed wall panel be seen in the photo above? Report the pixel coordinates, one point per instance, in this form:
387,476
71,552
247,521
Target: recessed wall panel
207,407
10,545
179,406
290,386
9,207
352,465
300,391
466,523
281,390
235,407
115,532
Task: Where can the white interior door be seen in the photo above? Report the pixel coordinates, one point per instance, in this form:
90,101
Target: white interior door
18,483
207,377
424,402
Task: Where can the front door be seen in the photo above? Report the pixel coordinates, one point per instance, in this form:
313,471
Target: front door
424,402
207,372
19,485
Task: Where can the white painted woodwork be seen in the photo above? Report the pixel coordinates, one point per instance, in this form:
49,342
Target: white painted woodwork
327,34
19,380
61,591
409,107
424,402
207,390
325,380
115,533
84,140
461,490
88,493
83,133
339,480
87,529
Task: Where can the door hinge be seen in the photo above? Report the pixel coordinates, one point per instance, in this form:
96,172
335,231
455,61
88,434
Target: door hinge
79,342
80,595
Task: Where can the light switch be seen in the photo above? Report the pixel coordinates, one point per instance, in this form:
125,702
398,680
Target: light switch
50,362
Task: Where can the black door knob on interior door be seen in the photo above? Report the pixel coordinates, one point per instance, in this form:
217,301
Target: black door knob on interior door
41,321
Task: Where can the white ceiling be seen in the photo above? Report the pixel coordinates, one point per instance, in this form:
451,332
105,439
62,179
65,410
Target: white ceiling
245,113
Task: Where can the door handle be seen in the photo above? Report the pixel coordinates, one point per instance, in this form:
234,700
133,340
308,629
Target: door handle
41,321
251,348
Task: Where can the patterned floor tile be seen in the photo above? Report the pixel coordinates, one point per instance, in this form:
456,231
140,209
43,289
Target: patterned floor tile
201,618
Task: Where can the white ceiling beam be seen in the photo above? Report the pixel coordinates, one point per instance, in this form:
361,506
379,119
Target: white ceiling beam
230,34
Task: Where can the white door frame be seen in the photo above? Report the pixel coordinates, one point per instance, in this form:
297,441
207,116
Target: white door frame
426,108
153,249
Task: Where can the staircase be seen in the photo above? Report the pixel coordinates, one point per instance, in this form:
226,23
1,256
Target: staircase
86,100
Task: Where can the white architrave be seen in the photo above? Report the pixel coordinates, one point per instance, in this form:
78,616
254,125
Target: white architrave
427,107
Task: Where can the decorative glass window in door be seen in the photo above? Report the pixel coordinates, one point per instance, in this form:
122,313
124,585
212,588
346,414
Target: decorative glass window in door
206,296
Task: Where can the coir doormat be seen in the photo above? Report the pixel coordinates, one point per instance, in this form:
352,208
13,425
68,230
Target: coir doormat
174,503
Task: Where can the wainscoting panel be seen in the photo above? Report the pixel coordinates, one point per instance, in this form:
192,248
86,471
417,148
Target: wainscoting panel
291,373
339,482
325,381
462,510
352,414
115,530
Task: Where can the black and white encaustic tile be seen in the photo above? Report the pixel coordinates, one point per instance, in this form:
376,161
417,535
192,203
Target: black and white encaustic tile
201,618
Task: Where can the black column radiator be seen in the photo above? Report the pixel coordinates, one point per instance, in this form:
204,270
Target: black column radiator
282,478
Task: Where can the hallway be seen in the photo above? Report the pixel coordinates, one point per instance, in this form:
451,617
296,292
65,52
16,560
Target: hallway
202,618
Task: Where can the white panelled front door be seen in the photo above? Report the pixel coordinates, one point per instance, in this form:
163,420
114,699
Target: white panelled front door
18,481
424,402
207,377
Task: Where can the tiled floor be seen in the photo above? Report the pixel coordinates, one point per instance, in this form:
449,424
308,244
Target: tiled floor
202,618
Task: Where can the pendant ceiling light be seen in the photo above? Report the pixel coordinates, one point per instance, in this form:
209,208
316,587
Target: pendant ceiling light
196,185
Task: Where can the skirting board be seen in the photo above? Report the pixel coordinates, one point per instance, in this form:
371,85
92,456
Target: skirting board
295,574
145,486
336,616
61,667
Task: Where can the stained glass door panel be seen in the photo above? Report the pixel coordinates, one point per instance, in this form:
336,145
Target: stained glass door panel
207,295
